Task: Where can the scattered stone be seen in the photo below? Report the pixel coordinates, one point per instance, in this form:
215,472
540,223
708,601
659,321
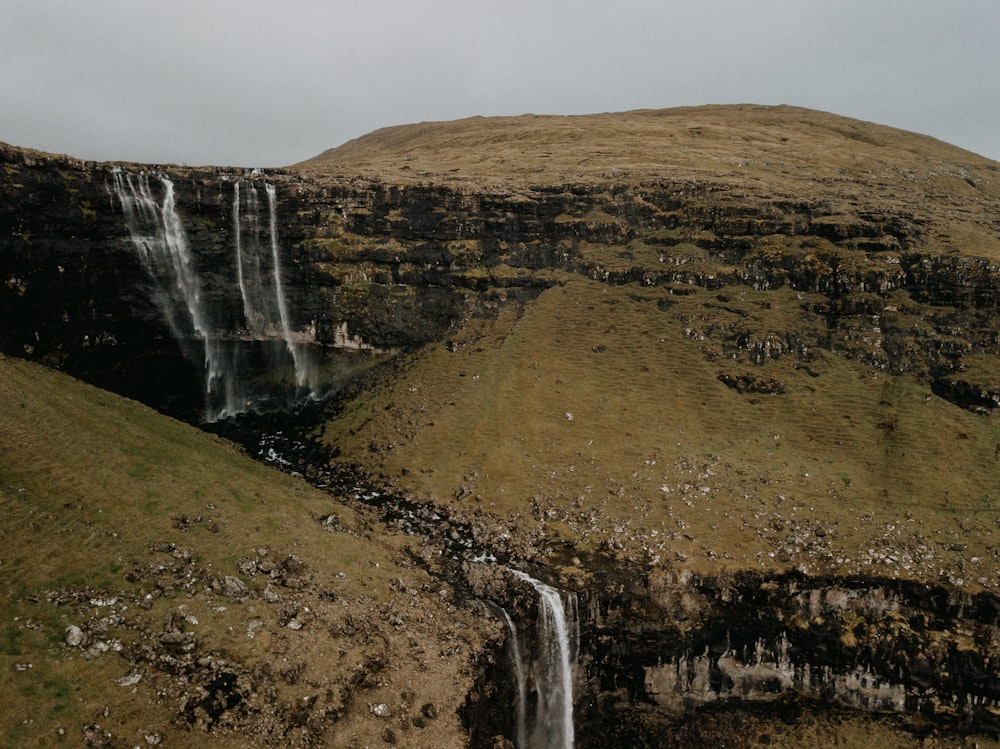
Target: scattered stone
74,636
331,522
234,587
95,737
380,710
131,680
749,384
293,565
181,640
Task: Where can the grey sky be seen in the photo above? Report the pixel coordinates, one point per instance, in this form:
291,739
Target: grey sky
253,83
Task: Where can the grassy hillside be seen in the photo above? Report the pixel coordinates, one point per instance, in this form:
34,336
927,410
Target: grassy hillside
157,585
835,163
132,527
596,414
705,428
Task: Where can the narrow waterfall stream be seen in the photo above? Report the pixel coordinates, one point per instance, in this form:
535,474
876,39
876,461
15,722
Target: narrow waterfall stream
258,272
521,678
548,673
299,359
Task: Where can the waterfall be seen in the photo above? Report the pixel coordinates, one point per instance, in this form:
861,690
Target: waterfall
265,305
237,358
298,356
159,239
250,215
522,683
550,672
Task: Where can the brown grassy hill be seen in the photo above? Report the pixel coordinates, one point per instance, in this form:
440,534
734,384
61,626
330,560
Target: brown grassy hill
159,586
614,416
764,151
158,583
595,416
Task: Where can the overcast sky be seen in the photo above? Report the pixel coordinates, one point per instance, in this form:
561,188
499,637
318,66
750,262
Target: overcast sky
251,83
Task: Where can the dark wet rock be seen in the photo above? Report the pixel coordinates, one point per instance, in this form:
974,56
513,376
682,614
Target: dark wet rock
748,383
977,397
396,266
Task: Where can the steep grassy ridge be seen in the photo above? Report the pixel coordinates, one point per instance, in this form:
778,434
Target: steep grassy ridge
597,414
209,591
730,420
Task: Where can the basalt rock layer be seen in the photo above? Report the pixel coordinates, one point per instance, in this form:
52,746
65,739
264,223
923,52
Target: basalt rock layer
673,648
401,261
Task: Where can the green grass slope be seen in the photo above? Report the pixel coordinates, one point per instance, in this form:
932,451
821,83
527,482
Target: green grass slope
132,528
600,415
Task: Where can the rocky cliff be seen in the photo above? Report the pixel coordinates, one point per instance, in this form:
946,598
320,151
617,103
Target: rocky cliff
747,357
891,280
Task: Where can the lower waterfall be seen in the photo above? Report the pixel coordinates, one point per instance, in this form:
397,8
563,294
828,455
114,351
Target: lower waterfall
546,671
522,682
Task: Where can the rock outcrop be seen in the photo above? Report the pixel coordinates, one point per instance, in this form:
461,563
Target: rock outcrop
393,266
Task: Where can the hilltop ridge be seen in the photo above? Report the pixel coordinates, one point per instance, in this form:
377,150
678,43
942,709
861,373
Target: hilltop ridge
758,152
705,138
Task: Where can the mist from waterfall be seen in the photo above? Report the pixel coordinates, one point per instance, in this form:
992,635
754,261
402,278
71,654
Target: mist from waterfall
546,670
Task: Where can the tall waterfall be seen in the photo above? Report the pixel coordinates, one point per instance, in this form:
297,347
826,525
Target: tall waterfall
549,672
258,274
298,355
249,359
160,241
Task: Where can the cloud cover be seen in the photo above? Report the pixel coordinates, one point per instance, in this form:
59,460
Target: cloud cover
255,83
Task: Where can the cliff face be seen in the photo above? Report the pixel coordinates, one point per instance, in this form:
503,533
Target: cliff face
664,655
85,292
399,264
880,646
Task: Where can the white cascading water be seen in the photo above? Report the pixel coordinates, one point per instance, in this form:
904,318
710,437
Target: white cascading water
160,241
265,308
230,355
522,683
550,672
247,245
298,356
